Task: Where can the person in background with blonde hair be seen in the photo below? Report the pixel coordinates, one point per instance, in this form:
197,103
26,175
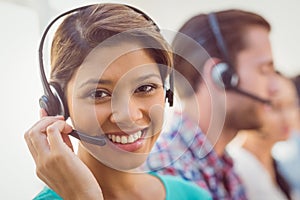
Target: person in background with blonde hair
252,149
287,153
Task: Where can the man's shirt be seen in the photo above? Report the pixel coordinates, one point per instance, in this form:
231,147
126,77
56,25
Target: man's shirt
185,151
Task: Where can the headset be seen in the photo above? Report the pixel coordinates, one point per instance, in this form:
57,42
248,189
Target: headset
53,100
223,74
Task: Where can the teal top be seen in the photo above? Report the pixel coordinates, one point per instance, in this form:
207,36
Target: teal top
176,189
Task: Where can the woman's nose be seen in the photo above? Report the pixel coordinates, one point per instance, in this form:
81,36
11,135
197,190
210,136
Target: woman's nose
128,112
274,84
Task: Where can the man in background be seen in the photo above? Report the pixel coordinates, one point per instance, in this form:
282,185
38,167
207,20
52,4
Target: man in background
224,77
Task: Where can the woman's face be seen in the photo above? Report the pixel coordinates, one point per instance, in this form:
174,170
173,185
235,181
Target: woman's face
277,121
118,91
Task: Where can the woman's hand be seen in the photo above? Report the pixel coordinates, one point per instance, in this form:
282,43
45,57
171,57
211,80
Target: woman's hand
56,163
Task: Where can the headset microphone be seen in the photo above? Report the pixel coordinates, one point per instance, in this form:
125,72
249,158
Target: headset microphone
225,77
223,74
97,140
252,96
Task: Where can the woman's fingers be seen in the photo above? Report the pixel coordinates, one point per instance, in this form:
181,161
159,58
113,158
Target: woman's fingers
36,136
56,164
32,150
43,113
57,134
65,137
67,141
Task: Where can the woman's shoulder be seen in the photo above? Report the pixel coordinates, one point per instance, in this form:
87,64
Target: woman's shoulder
178,188
46,194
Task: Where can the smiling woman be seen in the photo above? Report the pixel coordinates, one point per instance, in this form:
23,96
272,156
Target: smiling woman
109,64
125,103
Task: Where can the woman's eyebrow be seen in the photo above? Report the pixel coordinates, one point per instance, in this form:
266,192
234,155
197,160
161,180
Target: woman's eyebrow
148,76
95,82
107,82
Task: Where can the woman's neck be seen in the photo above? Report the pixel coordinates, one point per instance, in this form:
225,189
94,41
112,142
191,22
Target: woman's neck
261,149
116,184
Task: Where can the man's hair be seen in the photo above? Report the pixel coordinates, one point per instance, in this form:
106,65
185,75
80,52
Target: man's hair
233,25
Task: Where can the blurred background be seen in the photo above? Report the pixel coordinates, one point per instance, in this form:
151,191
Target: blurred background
23,21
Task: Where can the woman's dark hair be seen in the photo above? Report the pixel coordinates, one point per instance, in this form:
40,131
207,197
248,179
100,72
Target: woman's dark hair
84,30
296,81
282,183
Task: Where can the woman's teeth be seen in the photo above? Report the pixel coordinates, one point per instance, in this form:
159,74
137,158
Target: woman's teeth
125,139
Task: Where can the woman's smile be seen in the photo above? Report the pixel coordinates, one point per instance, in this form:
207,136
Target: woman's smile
128,141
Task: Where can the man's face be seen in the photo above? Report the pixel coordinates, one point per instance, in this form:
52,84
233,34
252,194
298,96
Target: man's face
255,68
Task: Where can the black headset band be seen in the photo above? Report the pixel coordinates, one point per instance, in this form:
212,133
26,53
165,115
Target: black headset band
225,73
215,27
46,86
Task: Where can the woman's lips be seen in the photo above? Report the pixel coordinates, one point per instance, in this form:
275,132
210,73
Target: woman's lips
125,139
128,142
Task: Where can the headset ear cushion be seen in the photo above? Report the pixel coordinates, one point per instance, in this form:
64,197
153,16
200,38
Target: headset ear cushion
224,76
170,97
62,108
49,104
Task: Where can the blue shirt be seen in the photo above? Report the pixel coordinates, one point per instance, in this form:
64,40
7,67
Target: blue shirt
176,189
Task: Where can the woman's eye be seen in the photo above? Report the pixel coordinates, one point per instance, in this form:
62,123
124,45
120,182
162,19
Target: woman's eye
99,94
145,89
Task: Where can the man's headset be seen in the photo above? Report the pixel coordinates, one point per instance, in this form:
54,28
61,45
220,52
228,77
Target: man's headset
53,100
223,73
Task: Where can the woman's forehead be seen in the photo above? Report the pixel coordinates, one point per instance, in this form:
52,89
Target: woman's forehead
131,65
110,57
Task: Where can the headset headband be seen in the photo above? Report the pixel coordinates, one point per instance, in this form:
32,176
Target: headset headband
223,73
214,25
46,87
